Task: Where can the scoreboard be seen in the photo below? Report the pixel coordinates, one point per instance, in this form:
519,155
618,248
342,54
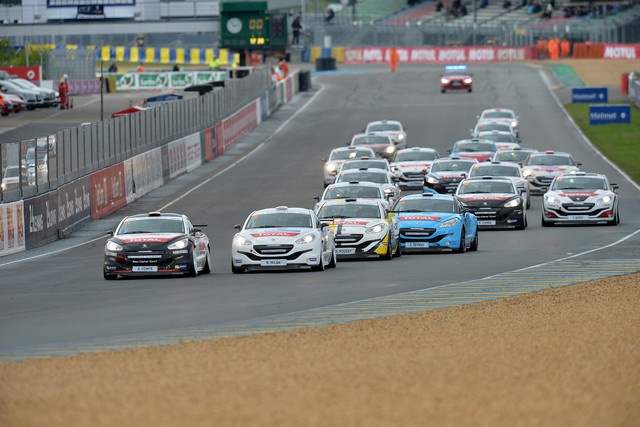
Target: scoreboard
247,25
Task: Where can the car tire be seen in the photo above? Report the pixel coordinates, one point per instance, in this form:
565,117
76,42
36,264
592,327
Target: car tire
207,263
528,202
193,268
237,270
616,219
319,267
389,254
544,222
470,90
442,90
398,252
463,244
523,223
474,243
333,261
109,276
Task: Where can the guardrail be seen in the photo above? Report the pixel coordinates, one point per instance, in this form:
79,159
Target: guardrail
92,170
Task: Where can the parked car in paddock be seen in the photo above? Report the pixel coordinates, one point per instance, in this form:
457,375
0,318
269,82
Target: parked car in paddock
282,238
456,77
446,173
392,128
338,155
514,155
504,170
353,190
155,244
32,97
411,165
381,144
362,228
431,221
15,103
494,201
581,198
366,162
7,107
541,168
377,176
48,95
474,148
502,115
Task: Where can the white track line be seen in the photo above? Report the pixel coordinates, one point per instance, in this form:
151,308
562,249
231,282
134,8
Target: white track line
270,137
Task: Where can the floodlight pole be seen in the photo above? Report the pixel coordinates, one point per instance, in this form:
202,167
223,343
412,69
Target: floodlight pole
101,90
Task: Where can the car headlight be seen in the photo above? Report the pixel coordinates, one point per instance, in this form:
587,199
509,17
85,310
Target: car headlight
512,203
552,201
180,244
432,180
514,124
390,149
306,239
444,81
449,223
3,186
331,167
468,81
378,228
605,199
112,246
400,137
526,173
573,171
241,241
387,191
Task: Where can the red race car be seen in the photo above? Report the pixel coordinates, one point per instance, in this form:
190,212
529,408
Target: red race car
456,77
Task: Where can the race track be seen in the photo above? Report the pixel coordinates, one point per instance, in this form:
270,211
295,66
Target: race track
57,301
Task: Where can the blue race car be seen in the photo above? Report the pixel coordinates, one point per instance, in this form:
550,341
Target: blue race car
431,221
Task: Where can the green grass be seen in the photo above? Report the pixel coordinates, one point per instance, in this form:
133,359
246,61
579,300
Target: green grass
619,142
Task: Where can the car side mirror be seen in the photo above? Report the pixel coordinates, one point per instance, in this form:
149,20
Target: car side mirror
544,189
109,233
237,227
316,198
324,160
578,164
324,225
614,187
196,231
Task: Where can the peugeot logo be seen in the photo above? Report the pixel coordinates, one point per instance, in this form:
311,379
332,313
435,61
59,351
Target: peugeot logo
485,204
144,245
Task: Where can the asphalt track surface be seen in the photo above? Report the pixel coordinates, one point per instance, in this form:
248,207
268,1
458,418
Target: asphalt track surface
55,297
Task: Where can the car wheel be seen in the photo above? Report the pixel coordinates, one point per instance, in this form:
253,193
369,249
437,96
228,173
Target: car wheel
237,270
207,263
319,267
333,261
470,90
544,222
528,202
522,224
193,268
463,244
389,254
442,90
474,243
616,219
398,252
109,276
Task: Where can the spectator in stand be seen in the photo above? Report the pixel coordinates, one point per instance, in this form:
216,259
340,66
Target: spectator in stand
548,11
296,26
506,4
439,6
329,14
484,3
176,68
113,68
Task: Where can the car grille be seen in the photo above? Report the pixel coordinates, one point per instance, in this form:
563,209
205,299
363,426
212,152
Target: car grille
272,249
348,238
572,207
414,175
417,232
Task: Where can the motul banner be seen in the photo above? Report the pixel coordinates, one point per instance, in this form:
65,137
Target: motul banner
378,55
28,73
621,51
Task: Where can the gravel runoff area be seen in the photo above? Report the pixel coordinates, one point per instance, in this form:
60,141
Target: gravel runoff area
560,357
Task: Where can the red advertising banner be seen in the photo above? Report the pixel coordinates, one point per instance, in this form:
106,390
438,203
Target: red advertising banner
234,128
379,55
108,191
219,139
621,51
207,139
29,73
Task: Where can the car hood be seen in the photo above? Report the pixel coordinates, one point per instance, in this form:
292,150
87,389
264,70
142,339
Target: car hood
416,166
551,169
147,238
423,219
448,174
485,200
274,235
480,156
353,225
579,195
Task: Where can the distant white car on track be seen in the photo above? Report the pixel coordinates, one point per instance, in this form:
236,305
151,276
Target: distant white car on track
541,168
581,198
502,115
393,128
380,143
282,238
378,176
505,170
338,156
411,165
353,190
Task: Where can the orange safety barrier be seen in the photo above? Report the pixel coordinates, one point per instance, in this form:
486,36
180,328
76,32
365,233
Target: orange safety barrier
579,50
542,48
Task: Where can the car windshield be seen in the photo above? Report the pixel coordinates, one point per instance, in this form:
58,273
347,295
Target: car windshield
350,210
512,156
410,156
453,166
493,126
349,154
11,172
371,140
24,84
549,160
472,147
497,137
151,225
279,219
425,205
485,186
353,192
362,176
497,115
580,183
358,164
384,127
495,170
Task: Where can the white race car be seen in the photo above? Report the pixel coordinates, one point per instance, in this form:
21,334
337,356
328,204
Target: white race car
366,162
502,115
581,197
393,128
412,164
353,190
378,176
362,228
380,143
338,156
282,238
505,170
541,168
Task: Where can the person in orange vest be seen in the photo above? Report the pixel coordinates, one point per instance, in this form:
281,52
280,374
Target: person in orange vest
255,59
140,68
63,90
394,58
284,67
565,48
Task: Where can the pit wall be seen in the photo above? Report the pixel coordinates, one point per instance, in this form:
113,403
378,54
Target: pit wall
36,221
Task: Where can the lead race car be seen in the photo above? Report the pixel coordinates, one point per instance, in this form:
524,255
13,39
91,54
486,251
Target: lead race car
156,243
456,77
581,198
282,238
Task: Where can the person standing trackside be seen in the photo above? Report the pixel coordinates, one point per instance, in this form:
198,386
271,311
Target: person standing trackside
296,26
394,58
63,89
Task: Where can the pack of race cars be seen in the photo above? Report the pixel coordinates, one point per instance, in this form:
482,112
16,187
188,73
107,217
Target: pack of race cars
486,182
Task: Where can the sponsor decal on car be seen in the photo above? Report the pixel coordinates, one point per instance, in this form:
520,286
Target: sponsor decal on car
419,218
276,234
